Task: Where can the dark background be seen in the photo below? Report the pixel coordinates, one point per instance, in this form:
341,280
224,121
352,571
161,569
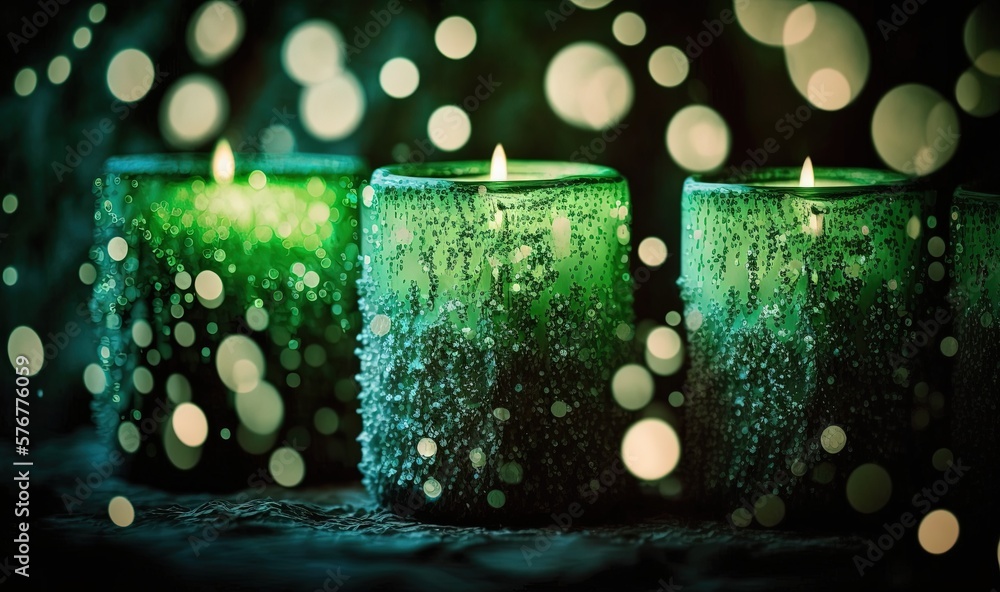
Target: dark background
49,235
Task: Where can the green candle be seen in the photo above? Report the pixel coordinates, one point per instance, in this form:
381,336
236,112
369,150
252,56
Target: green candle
975,339
797,300
495,313
228,314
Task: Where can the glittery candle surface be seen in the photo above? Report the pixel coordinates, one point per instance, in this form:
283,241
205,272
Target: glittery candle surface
796,300
228,318
492,315
975,339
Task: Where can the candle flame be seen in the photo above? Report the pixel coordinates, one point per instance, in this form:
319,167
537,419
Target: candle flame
223,163
498,167
807,178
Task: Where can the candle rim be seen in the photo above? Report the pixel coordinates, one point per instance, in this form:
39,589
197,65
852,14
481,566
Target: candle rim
979,189
449,173
866,179
189,164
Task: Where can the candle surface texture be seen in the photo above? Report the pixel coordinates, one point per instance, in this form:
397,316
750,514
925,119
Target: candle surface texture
228,316
495,314
974,341
797,303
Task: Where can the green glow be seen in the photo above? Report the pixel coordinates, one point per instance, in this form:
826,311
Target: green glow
796,302
186,265
490,318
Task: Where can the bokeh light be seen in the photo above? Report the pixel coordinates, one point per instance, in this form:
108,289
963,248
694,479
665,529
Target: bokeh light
769,510
588,87
23,341
87,273
130,75
629,28
982,37
9,275
215,31
698,139
190,424
59,69
632,387
869,488
833,439
651,449
97,13
82,37
978,94
193,111
455,37
287,467
240,363
652,251
399,78
25,82
261,409
829,64
764,20
591,4
120,511
326,421
9,203
449,128
313,52
915,129
95,379
938,532
179,454
669,66
178,389
334,109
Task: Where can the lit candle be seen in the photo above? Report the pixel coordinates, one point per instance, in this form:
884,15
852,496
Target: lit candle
974,340
797,293
497,305
228,313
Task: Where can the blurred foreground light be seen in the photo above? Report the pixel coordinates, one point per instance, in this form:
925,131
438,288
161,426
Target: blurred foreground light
669,66
632,387
449,128
59,69
652,251
869,488
588,87
591,4
455,37
25,82
215,31
130,75
399,78
190,424
827,54
193,111
978,94
334,109
97,13
915,129
629,28
982,37
651,449
698,139
120,511
938,532
764,20
24,342
287,467
313,52
82,37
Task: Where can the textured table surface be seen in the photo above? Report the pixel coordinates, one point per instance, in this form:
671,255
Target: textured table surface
321,538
